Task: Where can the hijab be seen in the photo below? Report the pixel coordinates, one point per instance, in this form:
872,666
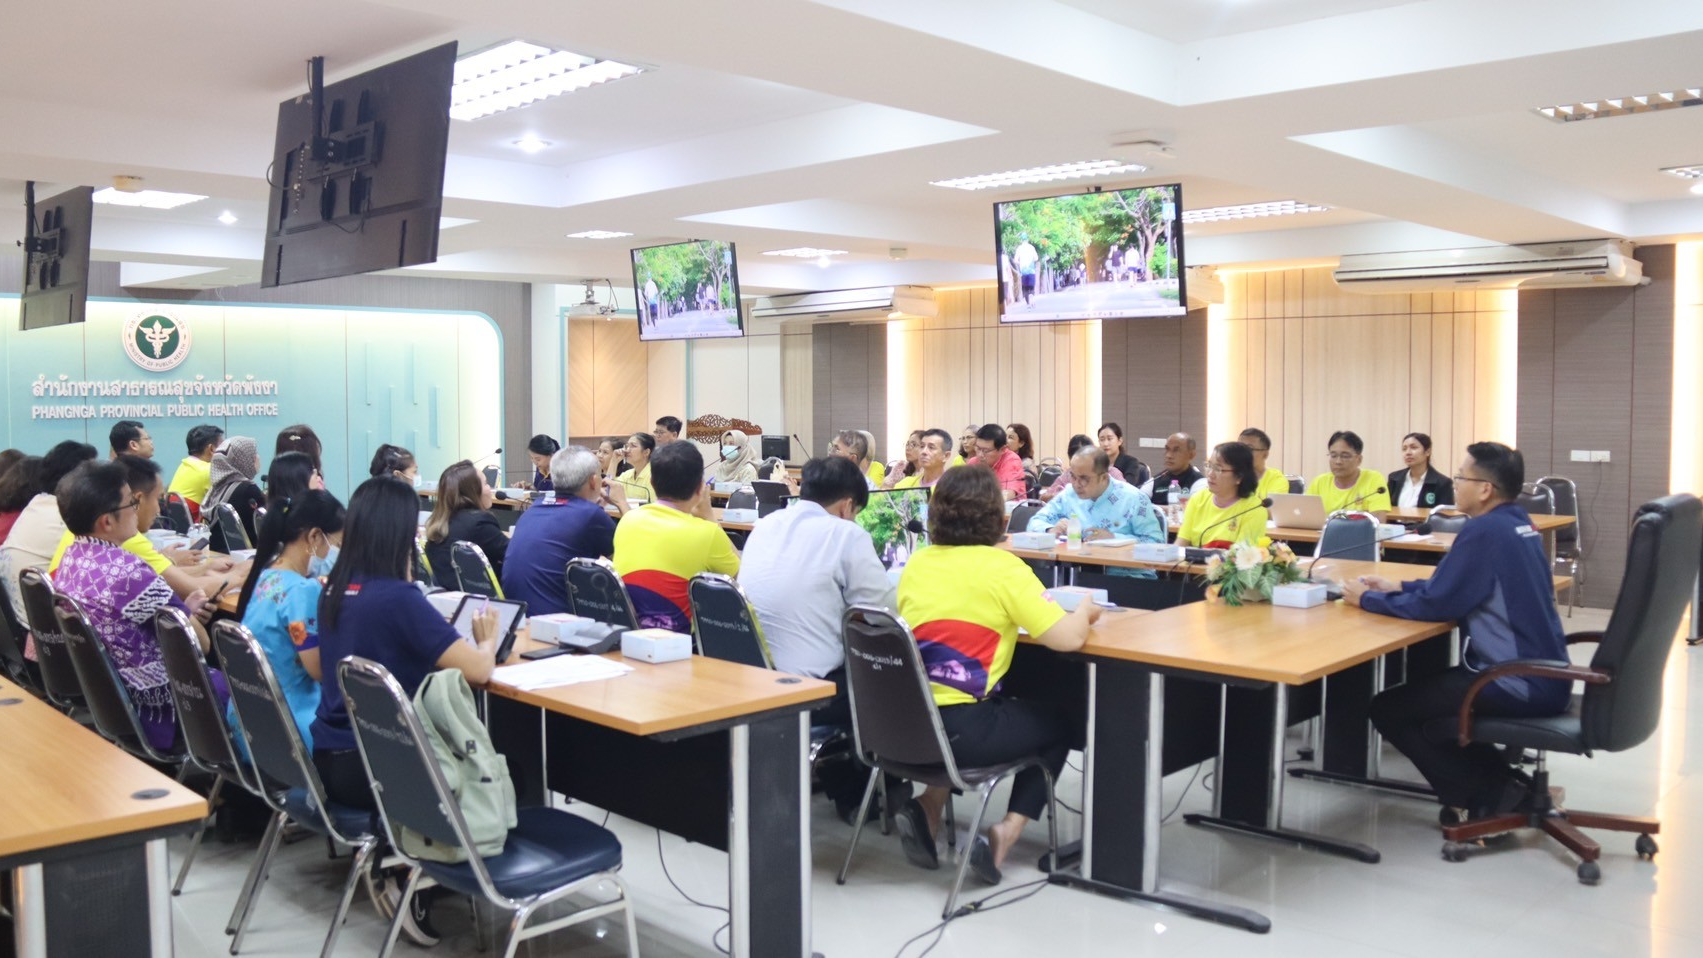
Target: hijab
234,463
730,470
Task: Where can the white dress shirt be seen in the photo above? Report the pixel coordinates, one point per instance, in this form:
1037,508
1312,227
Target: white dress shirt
32,542
802,568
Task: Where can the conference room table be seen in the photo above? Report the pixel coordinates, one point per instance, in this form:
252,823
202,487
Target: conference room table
83,829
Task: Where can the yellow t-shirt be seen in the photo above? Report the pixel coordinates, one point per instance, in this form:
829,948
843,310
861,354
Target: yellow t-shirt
192,480
137,545
637,483
1203,517
877,472
658,549
1325,487
1273,483
965,605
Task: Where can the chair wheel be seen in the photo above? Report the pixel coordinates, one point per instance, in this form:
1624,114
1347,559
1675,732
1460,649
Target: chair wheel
1449,815
1454,852
1646,847
1589,873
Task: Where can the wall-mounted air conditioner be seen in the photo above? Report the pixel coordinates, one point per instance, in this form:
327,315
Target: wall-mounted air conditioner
1538,266
849,305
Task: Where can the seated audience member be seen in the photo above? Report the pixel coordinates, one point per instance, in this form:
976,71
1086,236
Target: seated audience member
967,444
130,438
667,430
8,459
933,460
290,475
574,526
1420,485
637,452
280,600
1496,584
1111,436
392,460
1347,486
873,469
36,532
1105,507
301,438
1229,511
1272,482
18,486
119,593
991,452
659,547
737,462
540,449
1077,442
462,513
854,446
233,469
905,468
194,474
1180,451
610,460
1021,442
966,599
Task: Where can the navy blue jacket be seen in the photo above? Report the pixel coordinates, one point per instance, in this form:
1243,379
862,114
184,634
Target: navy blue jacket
1496,583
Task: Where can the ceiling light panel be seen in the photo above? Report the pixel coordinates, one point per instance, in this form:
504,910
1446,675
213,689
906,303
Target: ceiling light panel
1623,105
804,252
598,234
1694,172
516,74
147,199
1041,174
1249,211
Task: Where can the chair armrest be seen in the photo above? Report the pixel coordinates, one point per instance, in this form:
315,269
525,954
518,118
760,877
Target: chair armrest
1574,638
1539,668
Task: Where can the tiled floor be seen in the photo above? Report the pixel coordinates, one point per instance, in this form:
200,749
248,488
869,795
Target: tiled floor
1521,899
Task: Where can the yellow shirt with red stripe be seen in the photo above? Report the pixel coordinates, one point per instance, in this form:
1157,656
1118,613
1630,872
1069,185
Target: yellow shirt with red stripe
137,545
965,605
1325,488
1273,483
1204,517
658,549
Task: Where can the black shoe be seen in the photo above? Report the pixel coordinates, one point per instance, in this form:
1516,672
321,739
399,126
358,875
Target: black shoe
981,862
417,920
914,836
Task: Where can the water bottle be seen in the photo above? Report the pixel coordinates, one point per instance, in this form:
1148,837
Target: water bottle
1073,534
1174,499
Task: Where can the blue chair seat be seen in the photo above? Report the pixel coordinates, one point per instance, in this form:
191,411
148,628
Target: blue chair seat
549,848
352,822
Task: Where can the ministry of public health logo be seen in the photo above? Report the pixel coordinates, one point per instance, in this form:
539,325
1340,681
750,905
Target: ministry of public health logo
156,341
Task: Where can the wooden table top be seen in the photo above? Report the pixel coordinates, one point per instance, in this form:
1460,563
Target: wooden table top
1414,514
666,697
64,784
430,494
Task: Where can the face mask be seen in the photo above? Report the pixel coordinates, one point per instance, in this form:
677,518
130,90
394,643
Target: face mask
318,567
418,482
729,452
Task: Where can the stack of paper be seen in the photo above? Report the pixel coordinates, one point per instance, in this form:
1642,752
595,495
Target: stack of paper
559,670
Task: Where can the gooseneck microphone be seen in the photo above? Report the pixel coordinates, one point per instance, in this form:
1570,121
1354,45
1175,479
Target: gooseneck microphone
801,445
1363,497
494,453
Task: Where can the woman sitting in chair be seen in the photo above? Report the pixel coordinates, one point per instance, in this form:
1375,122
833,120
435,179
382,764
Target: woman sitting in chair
232,472
462,514
738,462
965,599
1230,511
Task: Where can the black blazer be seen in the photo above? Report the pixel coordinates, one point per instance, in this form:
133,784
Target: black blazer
469,525
1436,490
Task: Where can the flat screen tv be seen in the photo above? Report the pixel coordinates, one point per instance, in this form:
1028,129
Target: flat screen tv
56,258
1111,254
357,171
687,290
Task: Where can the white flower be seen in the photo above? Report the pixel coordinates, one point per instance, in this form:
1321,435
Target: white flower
1246,557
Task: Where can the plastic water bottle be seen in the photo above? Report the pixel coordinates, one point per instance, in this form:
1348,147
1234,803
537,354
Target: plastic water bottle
1073,534
1175,499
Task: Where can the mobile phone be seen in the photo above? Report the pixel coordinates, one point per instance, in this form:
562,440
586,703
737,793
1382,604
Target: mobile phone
221,590
547,652
198,544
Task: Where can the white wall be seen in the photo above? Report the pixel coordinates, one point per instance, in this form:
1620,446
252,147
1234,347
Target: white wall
550,360
740,378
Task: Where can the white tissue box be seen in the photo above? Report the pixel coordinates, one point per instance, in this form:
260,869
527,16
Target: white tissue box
739,515
727,487
656,645
1033,540
1299,595
1391,530
1158,552
553,627
1069,597
445,602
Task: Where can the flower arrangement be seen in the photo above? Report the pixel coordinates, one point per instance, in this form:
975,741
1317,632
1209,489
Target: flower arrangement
1250,572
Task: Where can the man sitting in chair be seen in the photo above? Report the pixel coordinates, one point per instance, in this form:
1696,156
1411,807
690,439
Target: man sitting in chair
1496,583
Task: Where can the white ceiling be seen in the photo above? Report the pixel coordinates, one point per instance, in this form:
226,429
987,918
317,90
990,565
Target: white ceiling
780,123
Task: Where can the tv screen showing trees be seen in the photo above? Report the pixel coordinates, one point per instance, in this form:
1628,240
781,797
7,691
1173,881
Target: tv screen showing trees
1114,254
687,290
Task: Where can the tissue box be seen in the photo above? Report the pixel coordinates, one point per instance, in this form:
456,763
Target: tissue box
656,645
1391,530
556,626
739,515
445,602
1033,540
1158,552
1299,595
727,487
1070,596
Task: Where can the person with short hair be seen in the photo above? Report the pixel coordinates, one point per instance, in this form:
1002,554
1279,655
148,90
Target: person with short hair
660,546
933,459
1065,477
573,526
858,446
462,513
1272,481
36,531
1105,507
130,438
1230,511
991,451
393,460
541,449
1346,485
668,430
901,469
1496,583
1134,471
967,444
1180,451
194,474
966,599
1419,485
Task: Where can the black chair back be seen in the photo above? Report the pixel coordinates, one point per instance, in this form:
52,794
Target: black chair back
58,674
108,701
1297,486
1661,568
1047,476
724,623
1351,535
493,475
742,499
1536,500
1021,515
274,743
596,592
1566,497
200,717
473,571
891,702
771,495
12,660
1446,523
229,524
177,512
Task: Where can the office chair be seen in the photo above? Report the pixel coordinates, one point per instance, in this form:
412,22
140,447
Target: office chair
1021,515
724,625
742,499
596,592
473,572
1569,540
1441,522
1163,520
58,675
771,496
897,729
13,663
1349,535
1048,473
225,519
1622,698
1297,485
177,510
114,711
549,855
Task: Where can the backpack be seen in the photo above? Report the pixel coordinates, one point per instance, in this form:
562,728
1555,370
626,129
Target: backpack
477,774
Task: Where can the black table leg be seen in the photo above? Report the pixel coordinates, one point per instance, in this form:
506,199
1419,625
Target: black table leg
1350,750
87,903
768,858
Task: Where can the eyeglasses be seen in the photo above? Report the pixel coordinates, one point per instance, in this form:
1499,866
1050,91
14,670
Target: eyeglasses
1259,448
1344,456
1213,469
1473,479
134,503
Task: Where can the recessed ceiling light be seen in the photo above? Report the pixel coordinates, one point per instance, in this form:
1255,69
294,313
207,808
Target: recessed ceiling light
228,218
1041,174
805,252
1694,172
516,74
148,199
1622,106
532,144
1697,188
1248,211
598,234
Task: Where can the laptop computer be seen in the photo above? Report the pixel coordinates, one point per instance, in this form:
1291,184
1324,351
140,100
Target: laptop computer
1298,512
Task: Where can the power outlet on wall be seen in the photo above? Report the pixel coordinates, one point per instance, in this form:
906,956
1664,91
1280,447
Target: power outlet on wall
1599,455
1581,455
1148,442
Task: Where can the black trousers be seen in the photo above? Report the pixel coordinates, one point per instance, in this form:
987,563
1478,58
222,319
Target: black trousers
1420,719
1001,729
345,778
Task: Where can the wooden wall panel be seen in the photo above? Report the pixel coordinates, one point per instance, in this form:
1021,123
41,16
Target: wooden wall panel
608,379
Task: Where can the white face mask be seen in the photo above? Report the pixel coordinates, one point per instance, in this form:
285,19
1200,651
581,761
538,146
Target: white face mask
418,482
730,452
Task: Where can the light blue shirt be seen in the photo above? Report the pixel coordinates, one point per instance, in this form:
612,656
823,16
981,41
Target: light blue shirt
1122,510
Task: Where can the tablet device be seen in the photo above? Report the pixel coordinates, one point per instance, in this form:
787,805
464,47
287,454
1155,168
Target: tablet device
509,614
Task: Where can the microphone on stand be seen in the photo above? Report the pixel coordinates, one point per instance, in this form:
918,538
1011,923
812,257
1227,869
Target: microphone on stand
494,453
1363,497
800,445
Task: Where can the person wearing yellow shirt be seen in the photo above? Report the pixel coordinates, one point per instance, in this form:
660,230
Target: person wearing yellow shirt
966,599
935,457
855,444
1347,486
1272,482
659,547
1230,512
636,481
194,476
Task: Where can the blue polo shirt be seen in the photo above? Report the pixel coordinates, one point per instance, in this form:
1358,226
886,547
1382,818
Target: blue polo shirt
545,538
388,621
